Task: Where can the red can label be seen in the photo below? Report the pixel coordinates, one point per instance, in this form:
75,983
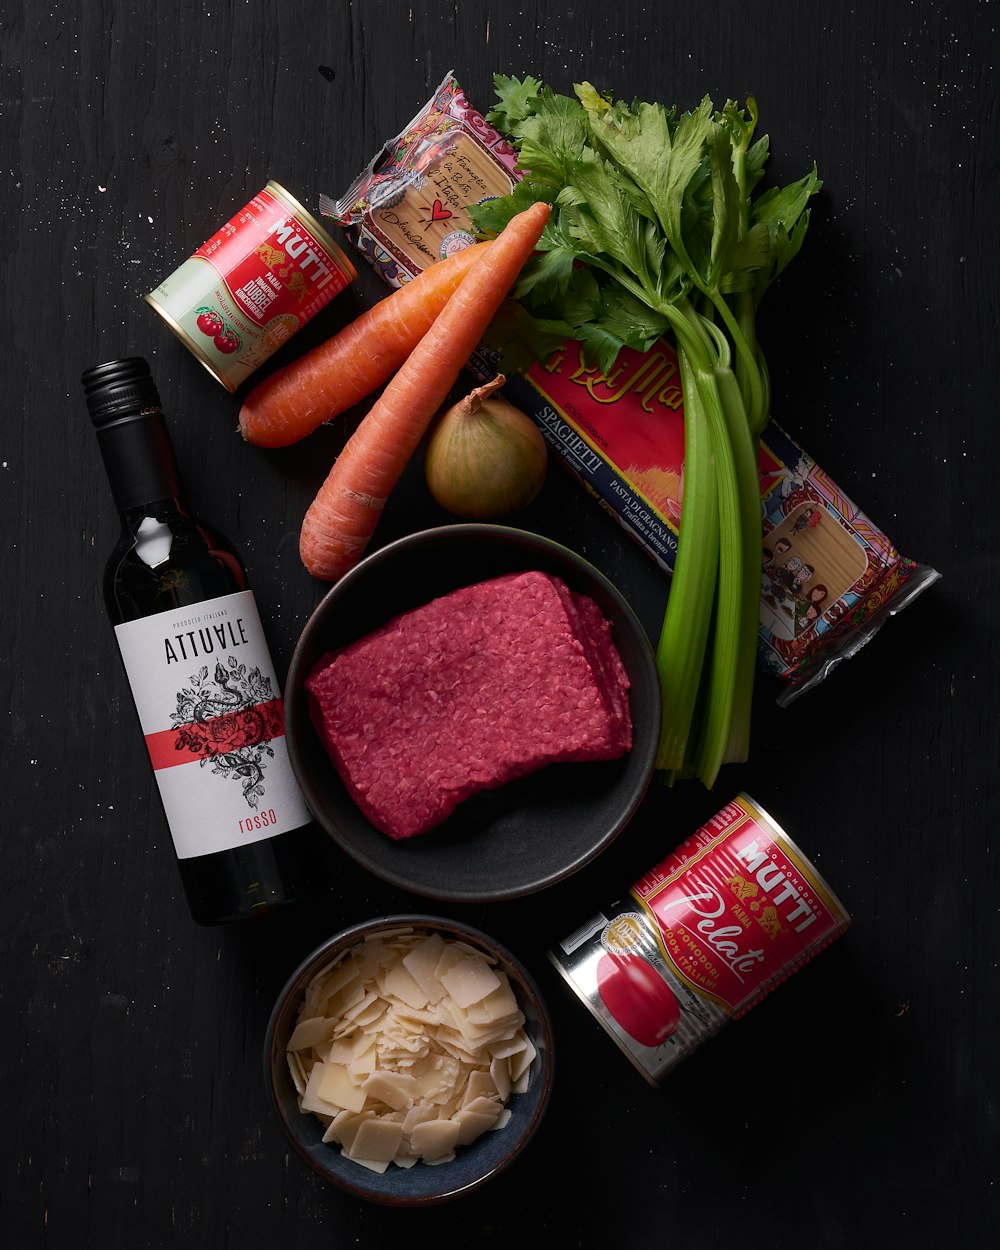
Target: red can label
257,280
705,935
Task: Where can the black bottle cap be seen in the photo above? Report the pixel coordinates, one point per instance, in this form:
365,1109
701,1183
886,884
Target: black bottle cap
120,388
124,405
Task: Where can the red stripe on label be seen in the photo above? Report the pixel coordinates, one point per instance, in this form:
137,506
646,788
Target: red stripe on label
217,735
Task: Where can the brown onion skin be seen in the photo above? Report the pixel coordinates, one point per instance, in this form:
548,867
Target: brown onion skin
485,458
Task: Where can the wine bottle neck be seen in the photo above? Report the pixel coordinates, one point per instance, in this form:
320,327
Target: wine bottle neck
139,459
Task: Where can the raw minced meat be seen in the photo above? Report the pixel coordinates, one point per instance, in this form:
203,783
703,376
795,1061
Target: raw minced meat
478,687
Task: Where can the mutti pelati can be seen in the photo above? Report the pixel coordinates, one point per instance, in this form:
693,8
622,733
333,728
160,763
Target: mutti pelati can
256,281
701,938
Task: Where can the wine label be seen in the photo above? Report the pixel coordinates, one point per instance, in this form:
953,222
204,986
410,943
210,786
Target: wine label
211,711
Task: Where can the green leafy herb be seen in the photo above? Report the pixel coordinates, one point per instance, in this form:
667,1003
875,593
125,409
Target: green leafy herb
655,232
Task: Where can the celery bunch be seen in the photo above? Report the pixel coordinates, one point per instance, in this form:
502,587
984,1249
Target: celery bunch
659,207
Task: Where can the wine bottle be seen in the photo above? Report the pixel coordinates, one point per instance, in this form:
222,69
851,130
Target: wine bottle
199,668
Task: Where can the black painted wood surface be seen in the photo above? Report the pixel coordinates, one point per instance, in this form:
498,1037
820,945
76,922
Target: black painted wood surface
858,1105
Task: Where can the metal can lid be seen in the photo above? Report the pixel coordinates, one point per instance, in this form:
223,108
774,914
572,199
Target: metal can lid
818,881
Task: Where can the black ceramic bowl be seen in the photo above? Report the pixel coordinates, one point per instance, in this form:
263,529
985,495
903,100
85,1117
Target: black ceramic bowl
508,842
422,1184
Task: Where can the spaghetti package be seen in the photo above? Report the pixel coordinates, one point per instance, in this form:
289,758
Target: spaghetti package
830,577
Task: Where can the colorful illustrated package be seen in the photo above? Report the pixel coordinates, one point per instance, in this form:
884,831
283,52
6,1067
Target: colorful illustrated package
409,207
829,576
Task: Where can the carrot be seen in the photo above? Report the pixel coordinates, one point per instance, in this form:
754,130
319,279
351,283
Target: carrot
342,518
330,378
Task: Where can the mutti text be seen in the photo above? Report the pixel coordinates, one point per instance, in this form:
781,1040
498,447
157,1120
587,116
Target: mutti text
198,642
301,250
774,881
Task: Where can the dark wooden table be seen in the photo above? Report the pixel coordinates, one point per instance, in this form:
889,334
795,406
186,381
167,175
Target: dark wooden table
858,1105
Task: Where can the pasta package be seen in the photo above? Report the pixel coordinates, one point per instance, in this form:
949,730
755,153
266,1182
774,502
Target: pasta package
830,577
409,207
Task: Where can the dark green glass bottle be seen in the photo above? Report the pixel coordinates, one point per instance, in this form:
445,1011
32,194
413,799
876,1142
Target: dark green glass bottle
200,671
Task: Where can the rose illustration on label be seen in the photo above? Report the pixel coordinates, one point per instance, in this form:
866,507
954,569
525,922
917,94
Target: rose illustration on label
228,721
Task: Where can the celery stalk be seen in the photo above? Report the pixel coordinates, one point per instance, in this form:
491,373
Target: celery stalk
683,637
744,448
725,653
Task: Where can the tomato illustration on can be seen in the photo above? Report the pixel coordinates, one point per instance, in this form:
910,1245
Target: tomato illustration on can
638,998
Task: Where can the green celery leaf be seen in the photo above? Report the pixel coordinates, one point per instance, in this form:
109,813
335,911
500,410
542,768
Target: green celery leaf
640,143
685,160
521,339
784,214
785,245
600,344
757,155
784,205
546,275
629,319
552,140
592,99
697,233
604,219
666,159
747,258
742,122
578,304
516,98
726,201
492,215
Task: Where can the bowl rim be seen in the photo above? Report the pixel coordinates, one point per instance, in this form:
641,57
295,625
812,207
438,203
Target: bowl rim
274,1057
644,753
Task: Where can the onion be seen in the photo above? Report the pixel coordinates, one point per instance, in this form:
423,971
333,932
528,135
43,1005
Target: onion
485,458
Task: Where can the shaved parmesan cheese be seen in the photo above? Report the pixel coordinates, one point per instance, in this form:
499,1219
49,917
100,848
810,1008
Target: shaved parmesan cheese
310,1033
400,984
500,1075
470,981
500,1004
473,1124
395,1089
421,962
337,1087
344,1126
298,1075
521,1062
310,1099
377,1139
434,1139
407,1048
480,1083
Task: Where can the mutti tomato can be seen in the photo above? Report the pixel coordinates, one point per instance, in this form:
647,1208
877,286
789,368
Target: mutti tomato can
701,938
256,281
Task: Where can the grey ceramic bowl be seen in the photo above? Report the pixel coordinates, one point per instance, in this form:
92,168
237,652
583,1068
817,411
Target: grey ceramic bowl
422,1184
529,834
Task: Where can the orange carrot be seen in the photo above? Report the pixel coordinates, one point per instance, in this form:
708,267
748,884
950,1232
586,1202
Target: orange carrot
342,518
292,402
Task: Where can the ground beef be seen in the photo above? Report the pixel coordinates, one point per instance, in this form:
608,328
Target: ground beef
593,631
466,693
